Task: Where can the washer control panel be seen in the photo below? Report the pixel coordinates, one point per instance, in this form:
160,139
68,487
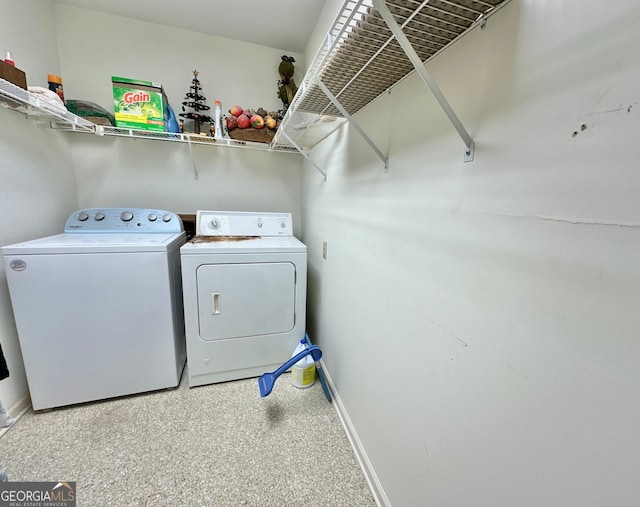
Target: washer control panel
123,220
243,223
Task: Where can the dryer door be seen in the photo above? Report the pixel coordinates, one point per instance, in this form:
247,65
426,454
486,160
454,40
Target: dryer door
241,300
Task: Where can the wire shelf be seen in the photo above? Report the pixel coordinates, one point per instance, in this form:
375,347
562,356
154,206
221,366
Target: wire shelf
24,102
186,138
361,59
15,98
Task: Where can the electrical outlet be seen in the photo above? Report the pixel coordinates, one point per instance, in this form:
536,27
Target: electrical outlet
324,250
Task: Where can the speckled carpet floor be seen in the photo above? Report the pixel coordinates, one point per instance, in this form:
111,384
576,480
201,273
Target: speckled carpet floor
216,445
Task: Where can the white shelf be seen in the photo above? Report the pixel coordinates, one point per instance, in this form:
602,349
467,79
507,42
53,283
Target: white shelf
109,131
16,99
371,46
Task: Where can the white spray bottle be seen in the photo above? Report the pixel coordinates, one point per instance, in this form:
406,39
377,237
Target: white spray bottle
218,119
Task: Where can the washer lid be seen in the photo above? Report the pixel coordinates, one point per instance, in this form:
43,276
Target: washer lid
95,243
244,245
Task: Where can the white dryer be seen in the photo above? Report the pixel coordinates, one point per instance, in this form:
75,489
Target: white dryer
244,278
98,308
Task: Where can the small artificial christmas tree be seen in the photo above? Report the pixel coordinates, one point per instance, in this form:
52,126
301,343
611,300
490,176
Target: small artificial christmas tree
196,102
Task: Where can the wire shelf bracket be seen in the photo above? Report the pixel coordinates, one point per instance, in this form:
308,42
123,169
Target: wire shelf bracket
353,123
307,157
420,68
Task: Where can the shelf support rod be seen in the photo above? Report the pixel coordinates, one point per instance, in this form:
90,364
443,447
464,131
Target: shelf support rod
384,11
324,174
354,123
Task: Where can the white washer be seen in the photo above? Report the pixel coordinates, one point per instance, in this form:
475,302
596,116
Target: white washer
244,278
98,308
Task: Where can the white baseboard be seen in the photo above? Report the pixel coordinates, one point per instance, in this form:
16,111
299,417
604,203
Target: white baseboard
20,407
17,410
361,456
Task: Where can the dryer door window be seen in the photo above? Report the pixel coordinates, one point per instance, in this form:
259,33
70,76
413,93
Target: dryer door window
241,300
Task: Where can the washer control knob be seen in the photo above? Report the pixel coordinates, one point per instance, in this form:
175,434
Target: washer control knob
126,216
259,224
282,225
214,224
83,216
153,217
98,216
166,218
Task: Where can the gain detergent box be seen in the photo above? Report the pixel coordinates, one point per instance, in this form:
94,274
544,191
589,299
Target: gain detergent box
139,104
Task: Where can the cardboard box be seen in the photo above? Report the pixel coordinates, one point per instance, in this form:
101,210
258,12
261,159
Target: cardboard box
13,75
139,104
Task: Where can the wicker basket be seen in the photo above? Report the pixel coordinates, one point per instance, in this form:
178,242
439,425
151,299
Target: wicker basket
252,135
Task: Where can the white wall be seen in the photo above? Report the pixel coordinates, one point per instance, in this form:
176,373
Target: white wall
121,172
480,321
38,189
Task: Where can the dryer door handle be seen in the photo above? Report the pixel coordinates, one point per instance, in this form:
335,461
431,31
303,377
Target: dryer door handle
215,303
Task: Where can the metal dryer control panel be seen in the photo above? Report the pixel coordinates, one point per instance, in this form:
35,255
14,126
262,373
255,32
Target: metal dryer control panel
243,223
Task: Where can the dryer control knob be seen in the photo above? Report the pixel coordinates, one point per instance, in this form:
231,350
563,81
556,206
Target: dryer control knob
126,216
83,216
98,216
153,217
166,218
214,224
